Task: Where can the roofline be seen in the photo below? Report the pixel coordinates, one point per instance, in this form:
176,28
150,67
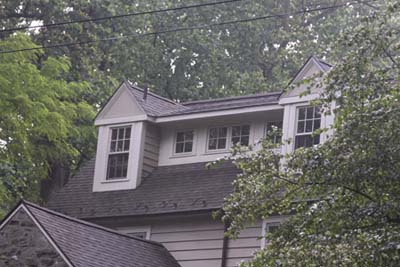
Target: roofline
80,221
222,99
151,93
25,205
149,215
219,112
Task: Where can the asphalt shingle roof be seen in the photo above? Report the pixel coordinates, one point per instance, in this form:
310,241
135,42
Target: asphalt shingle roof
158,106
169,189
90,245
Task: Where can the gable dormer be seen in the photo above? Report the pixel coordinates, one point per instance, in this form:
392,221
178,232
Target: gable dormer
300,118
127,146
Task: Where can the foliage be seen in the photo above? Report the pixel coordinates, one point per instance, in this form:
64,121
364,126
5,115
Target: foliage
344,193
230,60
43,120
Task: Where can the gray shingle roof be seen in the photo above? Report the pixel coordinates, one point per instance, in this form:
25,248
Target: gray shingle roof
158,106
177,188
90,245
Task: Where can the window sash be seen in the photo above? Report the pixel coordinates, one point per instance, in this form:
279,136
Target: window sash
118,154
217,138
184,142
241,135
308,121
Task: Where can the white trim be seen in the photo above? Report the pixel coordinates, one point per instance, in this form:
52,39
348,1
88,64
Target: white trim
299,99
3,224
312,61
136,229
59,251
136,118
209,114
275,220
227,143
184,154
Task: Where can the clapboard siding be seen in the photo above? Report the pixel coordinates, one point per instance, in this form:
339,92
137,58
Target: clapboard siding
151,149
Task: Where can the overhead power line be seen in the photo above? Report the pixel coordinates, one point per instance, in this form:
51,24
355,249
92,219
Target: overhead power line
197,27
118,16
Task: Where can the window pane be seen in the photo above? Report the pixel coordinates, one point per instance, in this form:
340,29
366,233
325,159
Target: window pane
188,147
121,133
302,113
223,132
213,133
246,130
236,131
120,145
179,148
300,127
244,141
310,112
212,144
222,143
189,136
117,166
309,125
317,124
113,145
235,140
114,134
126,145
128,133
179,136
316,140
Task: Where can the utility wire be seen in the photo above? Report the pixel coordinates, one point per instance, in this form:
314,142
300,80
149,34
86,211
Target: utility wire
118,16
198,27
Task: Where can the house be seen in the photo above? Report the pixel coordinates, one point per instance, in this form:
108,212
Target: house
149,178
33,236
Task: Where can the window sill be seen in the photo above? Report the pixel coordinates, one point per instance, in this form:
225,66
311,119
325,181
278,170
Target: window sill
115,181
220,151
183,155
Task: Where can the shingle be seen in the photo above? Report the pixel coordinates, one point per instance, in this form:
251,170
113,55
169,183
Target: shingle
157,106
169,189
89,245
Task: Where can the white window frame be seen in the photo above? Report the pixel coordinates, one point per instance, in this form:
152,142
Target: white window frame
297,121
231,133
210,151
110,153
229,143
136,229
271,221
184,154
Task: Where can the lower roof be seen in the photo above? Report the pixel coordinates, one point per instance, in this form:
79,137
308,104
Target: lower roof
82,244
169,189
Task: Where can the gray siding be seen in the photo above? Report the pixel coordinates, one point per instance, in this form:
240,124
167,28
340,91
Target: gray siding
151,149
196,240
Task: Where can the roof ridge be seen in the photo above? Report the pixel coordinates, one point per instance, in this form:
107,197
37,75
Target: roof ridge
27,203
153,94
231,98
319,60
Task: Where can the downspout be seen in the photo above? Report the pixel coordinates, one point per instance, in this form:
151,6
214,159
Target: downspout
225,243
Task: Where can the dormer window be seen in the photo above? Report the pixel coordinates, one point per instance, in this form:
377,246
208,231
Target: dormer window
184,142
118,155
241,135
308,120
217,138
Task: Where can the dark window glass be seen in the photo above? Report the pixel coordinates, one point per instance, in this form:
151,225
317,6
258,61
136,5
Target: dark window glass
117,167
217,138
241,135
308,121
184,142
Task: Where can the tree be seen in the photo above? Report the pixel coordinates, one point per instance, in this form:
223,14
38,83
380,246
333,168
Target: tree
230,60
44,123
343,194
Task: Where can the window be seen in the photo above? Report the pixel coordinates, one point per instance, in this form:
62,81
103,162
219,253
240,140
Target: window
217,138
241,135
308,120
269,228
184,142
270,133
118,155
